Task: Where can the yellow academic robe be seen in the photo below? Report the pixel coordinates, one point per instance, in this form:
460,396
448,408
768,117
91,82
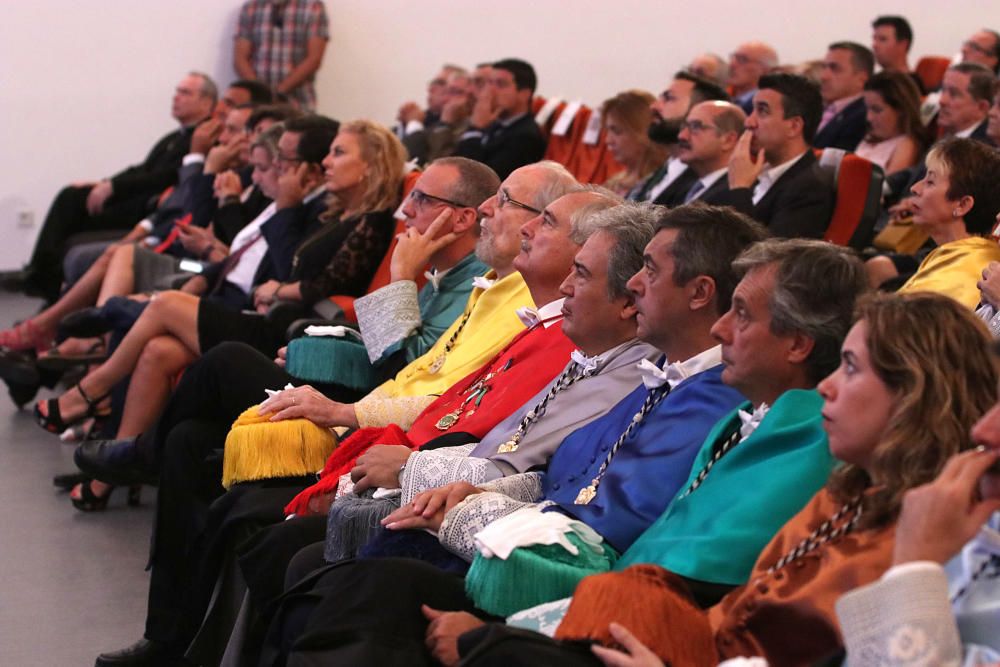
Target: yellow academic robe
953,269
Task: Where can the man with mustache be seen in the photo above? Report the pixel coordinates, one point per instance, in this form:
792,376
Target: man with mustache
669,184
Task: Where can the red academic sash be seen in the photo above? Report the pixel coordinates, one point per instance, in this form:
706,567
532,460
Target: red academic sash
519,371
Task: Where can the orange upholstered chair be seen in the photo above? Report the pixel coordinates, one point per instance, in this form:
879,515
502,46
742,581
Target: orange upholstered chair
561,147
859,194
931,70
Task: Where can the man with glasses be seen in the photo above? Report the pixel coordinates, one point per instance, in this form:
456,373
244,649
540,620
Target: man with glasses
502,131
983,48
747,64
707,140
442,229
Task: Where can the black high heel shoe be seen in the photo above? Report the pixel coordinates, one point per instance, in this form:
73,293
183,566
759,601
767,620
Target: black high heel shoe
53,422
91,502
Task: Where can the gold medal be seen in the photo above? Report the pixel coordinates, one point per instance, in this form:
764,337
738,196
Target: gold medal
586,494
448,420
508,447
437,365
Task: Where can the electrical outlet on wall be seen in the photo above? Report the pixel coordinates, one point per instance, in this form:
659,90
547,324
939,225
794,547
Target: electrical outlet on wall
25,219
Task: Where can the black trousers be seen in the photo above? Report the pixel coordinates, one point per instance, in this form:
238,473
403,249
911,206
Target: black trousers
362,612
68,216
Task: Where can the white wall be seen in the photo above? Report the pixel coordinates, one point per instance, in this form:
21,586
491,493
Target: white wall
85,87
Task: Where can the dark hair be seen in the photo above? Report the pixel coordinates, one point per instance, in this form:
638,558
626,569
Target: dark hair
276,112
815,287
862,59
475,184
981,80
703,88
523,73
900,92
708,239
259,93
974,171
799,97
316,134
899,25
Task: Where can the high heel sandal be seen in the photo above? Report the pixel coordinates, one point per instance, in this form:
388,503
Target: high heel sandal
24,337
53,422
91,502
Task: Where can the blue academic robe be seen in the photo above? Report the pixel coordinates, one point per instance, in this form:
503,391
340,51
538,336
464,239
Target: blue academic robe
649,467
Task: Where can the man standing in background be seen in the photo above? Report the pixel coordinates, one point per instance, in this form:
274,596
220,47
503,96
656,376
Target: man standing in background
281,43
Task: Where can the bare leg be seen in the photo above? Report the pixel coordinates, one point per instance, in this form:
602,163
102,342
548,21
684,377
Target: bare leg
163,358
120,279
80,295
169,313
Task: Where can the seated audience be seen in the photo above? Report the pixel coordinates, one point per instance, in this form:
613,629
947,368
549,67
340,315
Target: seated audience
747,64
363,175
956,203
846,70
773,174
706,143
517,371
412,118
627,117
439,140
901,347
896,138
983,48
669,184
966,97
502,130
119,201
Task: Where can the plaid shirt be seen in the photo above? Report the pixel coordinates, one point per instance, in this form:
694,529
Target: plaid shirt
279,36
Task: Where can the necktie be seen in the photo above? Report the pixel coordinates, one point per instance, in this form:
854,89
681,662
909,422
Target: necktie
693,192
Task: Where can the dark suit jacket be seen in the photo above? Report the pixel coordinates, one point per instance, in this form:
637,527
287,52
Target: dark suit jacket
505,149
158,171
979,134
674,193
846,130
799,204
716,191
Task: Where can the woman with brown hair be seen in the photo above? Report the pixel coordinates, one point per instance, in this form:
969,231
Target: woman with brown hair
915,374
627,117
896,137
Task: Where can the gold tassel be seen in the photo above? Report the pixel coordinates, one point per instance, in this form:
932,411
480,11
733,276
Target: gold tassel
257,448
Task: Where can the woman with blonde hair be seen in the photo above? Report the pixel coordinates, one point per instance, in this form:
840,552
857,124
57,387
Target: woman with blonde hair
342,245
627,117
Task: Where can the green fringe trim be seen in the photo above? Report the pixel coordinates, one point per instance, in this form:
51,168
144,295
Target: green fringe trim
331,360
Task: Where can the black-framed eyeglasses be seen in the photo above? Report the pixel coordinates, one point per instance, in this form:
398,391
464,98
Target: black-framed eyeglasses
504,198
284,159
696,126
421,198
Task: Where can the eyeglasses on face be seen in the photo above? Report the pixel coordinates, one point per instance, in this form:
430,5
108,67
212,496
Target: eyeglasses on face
504,198
421,199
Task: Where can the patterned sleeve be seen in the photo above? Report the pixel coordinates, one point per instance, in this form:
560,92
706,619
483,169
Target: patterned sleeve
470,516
904,620
387,316
993,324
244,27
429,470
376,409
354,264
319,25
525,486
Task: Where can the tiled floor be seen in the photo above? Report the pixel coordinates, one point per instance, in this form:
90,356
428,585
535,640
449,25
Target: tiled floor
71,584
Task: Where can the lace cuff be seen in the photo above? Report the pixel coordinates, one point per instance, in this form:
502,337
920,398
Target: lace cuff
470,516
376,409
526,486
429,470
387,316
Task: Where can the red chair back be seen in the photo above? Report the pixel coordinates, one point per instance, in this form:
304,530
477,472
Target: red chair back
859,193
931,71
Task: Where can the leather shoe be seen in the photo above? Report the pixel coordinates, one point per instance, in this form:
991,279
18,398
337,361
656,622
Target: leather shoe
117,462
84,323
19,367
144,652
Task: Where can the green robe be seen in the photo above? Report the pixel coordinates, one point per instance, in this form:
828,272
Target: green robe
717,532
